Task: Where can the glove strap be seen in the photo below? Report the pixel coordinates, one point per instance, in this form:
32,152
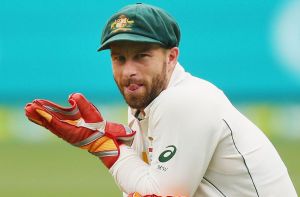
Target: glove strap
102,146
90,139
106,153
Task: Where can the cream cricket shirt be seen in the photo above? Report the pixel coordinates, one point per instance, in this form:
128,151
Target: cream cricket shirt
191,141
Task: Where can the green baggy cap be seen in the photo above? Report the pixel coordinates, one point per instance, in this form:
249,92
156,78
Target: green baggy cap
141,23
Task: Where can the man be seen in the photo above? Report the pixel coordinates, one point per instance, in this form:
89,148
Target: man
189,140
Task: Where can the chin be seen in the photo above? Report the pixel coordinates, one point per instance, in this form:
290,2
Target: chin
136,103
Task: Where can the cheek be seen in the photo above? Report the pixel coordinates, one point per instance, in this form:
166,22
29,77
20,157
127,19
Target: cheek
117,73
117,78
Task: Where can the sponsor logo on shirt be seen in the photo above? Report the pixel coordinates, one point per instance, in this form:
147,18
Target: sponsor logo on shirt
161,167
167,154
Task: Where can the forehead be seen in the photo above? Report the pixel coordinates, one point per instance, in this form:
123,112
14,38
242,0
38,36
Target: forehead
127,46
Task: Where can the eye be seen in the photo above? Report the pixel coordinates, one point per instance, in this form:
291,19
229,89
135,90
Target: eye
118,59
142,55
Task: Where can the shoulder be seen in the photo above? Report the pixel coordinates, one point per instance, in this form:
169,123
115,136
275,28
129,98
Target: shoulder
193,99
194,106
192,93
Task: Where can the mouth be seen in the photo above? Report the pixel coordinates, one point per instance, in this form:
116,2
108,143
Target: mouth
133,87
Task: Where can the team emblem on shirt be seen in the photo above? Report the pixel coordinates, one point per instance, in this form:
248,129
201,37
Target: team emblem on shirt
167,154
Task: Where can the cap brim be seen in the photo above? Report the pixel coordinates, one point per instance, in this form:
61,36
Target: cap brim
127,37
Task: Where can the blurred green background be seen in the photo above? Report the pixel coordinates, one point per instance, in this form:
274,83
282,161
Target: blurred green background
250,49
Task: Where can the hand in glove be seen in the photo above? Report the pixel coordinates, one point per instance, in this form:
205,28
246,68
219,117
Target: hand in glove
81,125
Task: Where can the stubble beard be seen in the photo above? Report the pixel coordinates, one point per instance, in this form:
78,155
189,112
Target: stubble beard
141,101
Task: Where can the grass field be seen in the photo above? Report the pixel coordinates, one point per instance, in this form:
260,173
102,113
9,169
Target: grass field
52,169
58,169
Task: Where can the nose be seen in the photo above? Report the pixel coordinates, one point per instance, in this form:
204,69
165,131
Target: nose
130,68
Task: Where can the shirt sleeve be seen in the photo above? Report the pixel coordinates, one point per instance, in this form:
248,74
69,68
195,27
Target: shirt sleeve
185,135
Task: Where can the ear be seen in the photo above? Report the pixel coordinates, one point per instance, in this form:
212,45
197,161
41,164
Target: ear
172,58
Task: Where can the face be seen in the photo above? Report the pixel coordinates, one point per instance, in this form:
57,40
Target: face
141,71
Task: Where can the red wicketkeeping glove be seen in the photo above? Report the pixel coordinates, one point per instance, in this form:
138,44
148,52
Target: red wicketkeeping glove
81,125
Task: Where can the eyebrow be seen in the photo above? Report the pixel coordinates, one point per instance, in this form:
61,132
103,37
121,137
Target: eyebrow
149,47
114,53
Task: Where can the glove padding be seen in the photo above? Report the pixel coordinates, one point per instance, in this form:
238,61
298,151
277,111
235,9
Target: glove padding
81,125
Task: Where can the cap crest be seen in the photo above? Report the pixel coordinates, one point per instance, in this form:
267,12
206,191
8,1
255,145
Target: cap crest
122,23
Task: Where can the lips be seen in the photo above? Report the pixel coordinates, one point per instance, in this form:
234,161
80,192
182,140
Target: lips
133,87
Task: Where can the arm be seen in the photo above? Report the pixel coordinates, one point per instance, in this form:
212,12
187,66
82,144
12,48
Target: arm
179,175
194,136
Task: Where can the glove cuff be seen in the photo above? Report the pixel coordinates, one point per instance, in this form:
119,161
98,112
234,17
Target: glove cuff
105,144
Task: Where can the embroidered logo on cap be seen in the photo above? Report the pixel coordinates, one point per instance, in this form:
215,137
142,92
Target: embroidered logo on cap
122,23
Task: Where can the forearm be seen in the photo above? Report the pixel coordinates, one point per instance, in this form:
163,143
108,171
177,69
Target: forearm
134,175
